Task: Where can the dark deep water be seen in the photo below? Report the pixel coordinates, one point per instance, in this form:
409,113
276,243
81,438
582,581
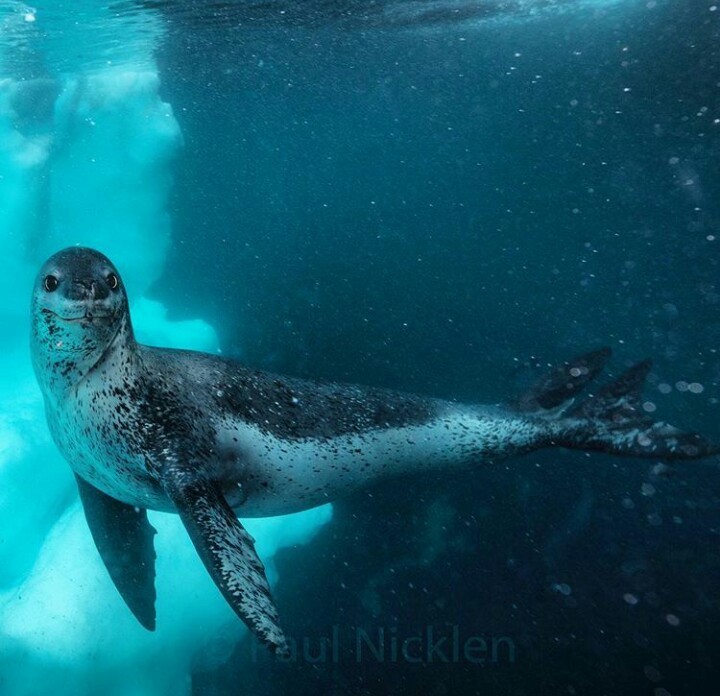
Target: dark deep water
446,210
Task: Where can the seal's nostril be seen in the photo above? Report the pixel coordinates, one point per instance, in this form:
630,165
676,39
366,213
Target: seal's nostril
81,290
99,290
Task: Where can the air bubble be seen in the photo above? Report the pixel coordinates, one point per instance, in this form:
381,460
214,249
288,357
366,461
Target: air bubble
654,519
563,588
647,489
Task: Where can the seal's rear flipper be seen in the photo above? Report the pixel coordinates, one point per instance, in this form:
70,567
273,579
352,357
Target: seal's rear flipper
124,538
557,390
614,421
228,552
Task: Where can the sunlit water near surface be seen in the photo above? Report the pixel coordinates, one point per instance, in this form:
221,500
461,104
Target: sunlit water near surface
441,197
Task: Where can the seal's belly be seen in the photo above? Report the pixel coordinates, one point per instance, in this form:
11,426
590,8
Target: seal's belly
282,476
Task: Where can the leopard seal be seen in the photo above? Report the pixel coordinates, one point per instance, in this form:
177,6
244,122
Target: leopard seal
208,438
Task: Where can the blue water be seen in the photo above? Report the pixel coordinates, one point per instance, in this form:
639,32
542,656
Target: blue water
438,197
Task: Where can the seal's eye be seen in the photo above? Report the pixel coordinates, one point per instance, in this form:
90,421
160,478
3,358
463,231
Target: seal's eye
113,282
51,283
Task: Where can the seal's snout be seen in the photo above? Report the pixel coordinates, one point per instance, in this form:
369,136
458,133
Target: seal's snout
87,290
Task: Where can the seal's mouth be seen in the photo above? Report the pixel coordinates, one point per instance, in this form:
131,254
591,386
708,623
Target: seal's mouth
87,319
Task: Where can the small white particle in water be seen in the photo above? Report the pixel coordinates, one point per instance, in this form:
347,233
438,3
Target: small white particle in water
575,372
628,504
630,599
695,387
30,16
647,489
681,386
664,388
713,8
677,519
649,406
220,393
661,469
674,160
563,588
710,238
672,620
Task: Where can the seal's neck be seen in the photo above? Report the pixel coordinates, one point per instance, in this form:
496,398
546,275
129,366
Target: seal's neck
61,360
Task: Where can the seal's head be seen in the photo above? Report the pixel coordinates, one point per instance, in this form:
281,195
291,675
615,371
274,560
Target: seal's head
79,308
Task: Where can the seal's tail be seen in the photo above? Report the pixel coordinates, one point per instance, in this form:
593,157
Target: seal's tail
611,420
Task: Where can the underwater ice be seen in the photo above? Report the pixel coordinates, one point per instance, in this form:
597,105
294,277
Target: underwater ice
93,168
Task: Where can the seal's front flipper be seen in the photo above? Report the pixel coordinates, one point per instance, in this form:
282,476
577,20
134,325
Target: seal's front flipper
228,552
124,538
